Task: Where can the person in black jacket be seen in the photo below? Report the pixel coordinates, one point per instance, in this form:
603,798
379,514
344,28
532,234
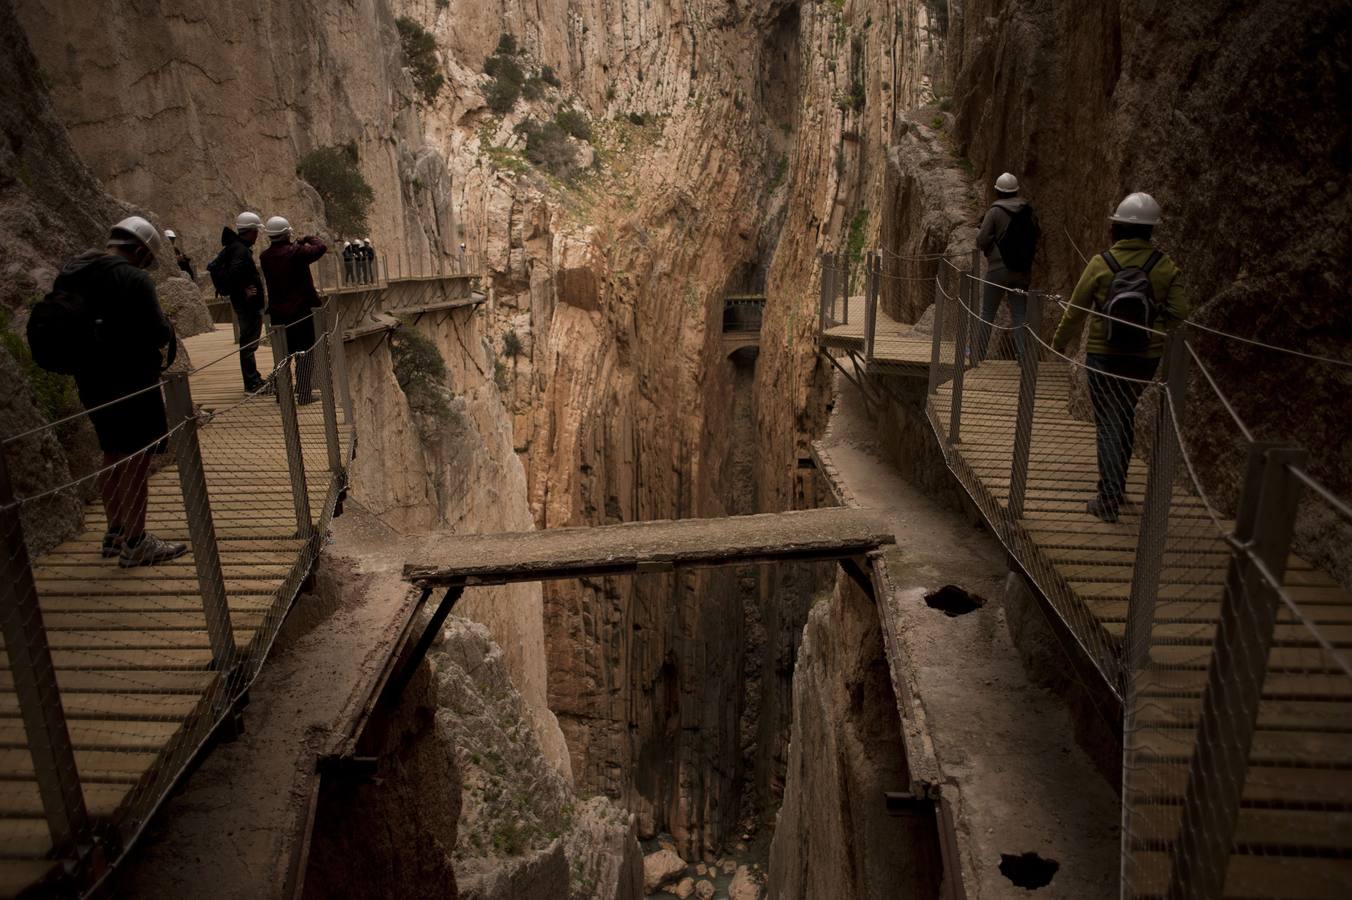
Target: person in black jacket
118,382
184,261
246,292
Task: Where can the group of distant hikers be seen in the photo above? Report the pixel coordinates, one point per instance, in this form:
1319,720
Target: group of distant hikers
359,262
1135,294
102,323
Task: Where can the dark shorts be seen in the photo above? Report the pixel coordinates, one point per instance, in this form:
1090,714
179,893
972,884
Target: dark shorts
130,424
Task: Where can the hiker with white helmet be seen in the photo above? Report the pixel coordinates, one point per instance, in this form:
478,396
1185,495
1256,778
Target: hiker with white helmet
102,323
1137,294
369,255
235,275
1008,237
292,295
184,262
349,263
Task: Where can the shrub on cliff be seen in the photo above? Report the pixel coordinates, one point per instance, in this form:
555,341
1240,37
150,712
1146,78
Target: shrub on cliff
421,373
573,123
547,147
508,79
420,56
334,174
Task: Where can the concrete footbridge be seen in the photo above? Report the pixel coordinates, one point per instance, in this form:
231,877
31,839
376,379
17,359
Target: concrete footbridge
742,318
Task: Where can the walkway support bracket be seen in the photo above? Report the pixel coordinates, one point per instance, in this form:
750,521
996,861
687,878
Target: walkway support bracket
1239,663
192,478
34,679
1027,352
295,458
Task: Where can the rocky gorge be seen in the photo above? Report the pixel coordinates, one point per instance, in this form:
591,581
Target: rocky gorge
653,157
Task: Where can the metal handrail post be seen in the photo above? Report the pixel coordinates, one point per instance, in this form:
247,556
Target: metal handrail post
870,306
338,358
825,289
295,459
323,360
1239,662
1027,355
1154,526
192,479
937,327
34,679
959,362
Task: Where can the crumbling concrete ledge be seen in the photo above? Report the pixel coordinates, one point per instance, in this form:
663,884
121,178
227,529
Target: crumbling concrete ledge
994,750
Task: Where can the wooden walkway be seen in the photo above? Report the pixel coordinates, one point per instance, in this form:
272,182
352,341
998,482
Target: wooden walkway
1294,834
897,348
130,645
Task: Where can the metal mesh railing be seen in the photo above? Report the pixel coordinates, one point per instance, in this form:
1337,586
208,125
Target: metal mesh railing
118,671
1167,554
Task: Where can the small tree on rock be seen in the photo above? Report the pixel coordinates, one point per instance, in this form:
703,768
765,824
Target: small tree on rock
334,174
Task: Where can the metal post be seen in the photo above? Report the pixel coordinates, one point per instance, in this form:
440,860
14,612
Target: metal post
1154,527
827,261
870,306
34,678
959,359
192,478
338,359
1027,354
323,320
937,326
1239,660
295,460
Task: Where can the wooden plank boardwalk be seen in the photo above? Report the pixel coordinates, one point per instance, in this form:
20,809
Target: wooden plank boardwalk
1294,834
133,662
898,349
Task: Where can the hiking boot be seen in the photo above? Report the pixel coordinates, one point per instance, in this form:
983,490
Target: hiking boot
112,543
1102,509
253,387
148,551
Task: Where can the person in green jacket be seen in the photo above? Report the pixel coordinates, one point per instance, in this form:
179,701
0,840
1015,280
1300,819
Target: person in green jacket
1117,377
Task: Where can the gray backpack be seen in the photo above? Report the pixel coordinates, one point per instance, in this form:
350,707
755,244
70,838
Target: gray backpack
1131,304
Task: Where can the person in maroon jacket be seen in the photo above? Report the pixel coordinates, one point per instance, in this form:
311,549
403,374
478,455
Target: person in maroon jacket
291,295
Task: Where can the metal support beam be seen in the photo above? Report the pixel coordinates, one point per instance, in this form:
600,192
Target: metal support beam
192,479
295,459
34,684
400,680
338,358
1154,527
858,574
1026,350
1239,661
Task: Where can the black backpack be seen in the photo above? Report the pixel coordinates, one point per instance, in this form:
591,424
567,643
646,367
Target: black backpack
63,333
1130,302
1019,242
217,270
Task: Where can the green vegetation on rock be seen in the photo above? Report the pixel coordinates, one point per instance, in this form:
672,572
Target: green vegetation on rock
334,174
421,373
54,394
420,55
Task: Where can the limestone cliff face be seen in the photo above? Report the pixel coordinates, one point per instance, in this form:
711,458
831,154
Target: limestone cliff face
772,118
200,110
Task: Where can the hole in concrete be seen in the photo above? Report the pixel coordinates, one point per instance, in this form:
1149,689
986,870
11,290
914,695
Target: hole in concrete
953,601
1028,870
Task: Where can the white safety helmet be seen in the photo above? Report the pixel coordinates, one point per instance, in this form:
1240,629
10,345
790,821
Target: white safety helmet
1137,209
346,244
247,221
367,242
134,231
1007,184
277,227
169,233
